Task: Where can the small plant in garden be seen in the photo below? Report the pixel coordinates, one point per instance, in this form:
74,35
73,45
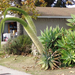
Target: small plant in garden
71,22
19,46
50,59
67,48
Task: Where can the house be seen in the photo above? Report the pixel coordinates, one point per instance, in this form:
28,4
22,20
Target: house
49,17
52,16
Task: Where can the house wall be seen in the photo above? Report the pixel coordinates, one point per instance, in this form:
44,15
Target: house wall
42,23
6,28
19,29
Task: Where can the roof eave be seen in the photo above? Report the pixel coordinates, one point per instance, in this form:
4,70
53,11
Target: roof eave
64,17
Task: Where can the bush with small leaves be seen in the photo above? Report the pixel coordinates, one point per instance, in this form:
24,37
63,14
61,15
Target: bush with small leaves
19,46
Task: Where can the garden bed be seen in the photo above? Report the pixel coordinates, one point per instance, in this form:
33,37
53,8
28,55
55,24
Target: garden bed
28,64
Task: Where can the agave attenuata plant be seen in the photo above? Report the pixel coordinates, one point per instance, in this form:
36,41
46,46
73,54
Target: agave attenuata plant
28,26
50,59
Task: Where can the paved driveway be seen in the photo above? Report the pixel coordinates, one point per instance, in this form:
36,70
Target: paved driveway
8,71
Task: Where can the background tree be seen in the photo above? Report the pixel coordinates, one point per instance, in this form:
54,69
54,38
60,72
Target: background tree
3,5
49,2
27,5
56,3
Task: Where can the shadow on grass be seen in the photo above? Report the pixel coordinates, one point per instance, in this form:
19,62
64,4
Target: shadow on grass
6,74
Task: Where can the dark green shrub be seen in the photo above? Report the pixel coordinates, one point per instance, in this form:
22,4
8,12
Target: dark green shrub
67,48
19,45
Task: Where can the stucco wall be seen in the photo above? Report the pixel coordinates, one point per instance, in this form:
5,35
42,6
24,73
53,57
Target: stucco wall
6,28
41,24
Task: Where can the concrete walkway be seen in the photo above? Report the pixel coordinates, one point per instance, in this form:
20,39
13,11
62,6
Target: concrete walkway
8,71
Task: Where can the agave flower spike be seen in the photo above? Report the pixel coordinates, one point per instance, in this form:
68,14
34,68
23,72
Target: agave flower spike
26,16
28,29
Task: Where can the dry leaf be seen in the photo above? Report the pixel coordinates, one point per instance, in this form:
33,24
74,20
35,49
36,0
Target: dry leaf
63,74
23,67
72,72
26,69
69,68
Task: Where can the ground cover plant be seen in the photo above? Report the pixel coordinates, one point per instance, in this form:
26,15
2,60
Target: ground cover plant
60,42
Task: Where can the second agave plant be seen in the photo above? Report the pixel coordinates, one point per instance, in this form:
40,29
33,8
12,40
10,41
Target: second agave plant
50,59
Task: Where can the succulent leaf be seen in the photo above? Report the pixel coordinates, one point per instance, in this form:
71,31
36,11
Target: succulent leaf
26,16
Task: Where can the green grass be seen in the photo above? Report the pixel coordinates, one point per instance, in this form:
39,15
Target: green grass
2,54
21,63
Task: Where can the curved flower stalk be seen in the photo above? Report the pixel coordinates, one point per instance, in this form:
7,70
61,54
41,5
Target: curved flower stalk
27,17
28,30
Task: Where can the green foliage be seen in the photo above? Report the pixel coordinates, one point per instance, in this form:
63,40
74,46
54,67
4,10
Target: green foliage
67,48
50,59
19,45
26,5
57,42
71,22
50,36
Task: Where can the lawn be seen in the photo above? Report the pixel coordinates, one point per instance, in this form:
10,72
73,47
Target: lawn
28,64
